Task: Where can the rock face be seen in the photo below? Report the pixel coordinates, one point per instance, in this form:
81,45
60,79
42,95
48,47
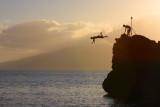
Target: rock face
136,70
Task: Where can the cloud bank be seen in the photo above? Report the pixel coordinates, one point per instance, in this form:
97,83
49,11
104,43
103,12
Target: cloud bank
42,36
39,36
2,27
146,25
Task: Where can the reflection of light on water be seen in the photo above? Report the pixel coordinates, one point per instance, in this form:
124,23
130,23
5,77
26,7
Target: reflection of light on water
53,88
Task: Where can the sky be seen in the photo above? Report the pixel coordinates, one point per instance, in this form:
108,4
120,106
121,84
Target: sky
112,12
33,27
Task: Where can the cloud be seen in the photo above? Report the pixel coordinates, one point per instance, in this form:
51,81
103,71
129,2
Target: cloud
147,26
2,27
39,36
42,36
81,29
44,33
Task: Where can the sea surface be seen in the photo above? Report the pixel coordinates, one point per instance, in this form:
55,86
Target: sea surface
53,89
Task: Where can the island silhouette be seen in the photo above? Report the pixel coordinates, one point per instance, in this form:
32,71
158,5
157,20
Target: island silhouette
135,75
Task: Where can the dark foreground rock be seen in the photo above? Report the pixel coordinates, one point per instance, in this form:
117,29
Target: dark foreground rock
135,77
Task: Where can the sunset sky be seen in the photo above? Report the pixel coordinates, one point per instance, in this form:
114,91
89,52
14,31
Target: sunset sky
96,11
33,27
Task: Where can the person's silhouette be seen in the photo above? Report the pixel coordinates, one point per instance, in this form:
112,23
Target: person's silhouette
128,29
93,40
99,36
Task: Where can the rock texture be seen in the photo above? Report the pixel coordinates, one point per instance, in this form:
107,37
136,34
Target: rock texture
136,71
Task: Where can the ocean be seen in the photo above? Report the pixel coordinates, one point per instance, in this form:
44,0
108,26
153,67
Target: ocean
53,89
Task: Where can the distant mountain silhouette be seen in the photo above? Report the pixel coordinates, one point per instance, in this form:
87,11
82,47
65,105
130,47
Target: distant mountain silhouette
86,57
135,77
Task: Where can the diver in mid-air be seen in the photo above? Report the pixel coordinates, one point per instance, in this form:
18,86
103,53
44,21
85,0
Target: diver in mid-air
99,36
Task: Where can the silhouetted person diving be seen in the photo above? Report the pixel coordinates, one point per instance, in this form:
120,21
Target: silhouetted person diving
128,29
99,36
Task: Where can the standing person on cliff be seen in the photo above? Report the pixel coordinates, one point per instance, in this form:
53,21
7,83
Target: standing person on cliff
128,29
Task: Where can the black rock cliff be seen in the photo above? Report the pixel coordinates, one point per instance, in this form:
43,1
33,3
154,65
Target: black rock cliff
136,70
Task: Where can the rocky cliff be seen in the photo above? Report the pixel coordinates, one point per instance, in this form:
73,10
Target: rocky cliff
136,70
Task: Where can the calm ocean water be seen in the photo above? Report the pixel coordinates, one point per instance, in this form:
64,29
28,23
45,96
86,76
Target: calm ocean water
53,89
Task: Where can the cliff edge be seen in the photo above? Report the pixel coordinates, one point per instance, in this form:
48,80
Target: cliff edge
136,70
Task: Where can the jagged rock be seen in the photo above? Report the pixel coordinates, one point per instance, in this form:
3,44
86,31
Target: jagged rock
136,70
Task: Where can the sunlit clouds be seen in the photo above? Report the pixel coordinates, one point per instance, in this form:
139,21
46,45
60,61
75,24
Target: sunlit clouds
81,29
48,36
148,26
2,27
41,36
